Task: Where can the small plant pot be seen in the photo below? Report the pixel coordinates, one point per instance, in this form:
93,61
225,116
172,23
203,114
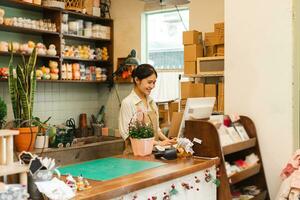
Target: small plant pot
26,139
42,141
142,147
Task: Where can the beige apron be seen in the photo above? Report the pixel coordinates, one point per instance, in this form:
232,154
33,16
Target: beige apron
152,115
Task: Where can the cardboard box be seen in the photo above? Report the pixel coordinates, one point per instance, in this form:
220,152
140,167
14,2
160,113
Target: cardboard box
175,124
173,107
95,11
190,67
221,103
192,52
210,90
210,65
189,90
213,38
191,37
211,51
220,89
220,50
219,28
182,104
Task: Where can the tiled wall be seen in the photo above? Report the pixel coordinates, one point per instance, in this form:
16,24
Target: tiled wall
65,100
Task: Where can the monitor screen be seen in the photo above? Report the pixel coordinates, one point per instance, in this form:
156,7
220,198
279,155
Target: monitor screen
196,108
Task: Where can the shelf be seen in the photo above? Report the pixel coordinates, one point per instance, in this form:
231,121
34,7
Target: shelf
77,37
84,60
24,5
3,53
86,16
211,58
260,196
63,81
70,81
244,174
203,76
14,168
16,29
232,148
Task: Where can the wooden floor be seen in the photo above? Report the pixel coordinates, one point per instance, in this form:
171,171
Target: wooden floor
126,184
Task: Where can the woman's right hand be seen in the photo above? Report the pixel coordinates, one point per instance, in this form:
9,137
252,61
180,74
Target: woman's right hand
165,142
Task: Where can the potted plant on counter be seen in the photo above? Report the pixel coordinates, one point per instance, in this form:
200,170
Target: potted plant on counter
42,138
3,112
141,135
22,86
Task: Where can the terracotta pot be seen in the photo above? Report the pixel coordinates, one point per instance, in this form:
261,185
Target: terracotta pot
26,139
142,147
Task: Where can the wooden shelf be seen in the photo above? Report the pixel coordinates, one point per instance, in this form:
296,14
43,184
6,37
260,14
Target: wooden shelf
85,60
86,16
212,58
77,37
260,196
70,81
232,148
203,76
24,5
3,53
63,81
16,29
244,174
14,168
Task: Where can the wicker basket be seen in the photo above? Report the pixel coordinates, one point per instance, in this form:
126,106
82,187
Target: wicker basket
75,5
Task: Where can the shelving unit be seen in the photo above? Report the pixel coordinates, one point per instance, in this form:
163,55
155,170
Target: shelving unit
56,38
211,147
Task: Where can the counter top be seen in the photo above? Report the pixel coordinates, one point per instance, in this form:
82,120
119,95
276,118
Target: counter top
126,184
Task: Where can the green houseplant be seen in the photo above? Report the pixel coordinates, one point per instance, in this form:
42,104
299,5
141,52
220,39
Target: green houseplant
141,135
22,86
3,112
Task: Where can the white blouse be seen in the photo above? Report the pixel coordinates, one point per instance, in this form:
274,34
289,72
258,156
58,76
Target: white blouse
130,105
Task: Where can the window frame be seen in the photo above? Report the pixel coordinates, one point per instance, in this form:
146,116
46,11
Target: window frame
144,36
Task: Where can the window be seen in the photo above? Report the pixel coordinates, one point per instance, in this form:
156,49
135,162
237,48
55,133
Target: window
163,37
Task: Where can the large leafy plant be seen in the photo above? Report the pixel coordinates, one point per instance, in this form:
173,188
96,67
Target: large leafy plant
22,86
3,112
140,129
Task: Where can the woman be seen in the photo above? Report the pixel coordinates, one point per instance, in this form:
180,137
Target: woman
144,78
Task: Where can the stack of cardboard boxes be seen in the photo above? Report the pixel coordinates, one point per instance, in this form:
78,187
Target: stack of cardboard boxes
214,41
193,48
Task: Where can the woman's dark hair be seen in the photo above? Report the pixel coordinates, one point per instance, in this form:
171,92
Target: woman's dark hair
143,71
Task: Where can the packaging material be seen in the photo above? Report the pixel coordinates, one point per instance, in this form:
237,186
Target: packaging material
221,97
210,66
182,104
190,90
220,50
190,68
191,37
175,124
192,52
219,28
95,11
211,51
173,107
210,90
213,38
220,89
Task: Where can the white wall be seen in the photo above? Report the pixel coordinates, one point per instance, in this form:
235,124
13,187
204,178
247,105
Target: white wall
203,14
259,75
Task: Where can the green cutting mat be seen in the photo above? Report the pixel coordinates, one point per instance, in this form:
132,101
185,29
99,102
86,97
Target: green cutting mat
107,168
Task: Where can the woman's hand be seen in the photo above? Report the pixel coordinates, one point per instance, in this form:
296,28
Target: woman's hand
167,142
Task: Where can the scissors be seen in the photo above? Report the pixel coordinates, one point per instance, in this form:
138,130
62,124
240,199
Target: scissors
71,123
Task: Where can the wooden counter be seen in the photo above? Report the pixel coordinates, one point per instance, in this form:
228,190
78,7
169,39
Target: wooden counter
130,183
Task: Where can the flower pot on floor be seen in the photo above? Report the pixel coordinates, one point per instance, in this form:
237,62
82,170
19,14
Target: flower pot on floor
142,147
26,139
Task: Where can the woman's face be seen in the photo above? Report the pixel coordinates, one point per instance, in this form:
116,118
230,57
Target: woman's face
146,85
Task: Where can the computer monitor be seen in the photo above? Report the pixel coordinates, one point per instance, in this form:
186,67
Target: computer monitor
196,108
